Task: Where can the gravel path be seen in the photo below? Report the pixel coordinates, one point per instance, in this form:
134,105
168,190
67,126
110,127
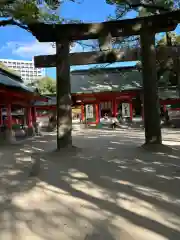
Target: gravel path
108,189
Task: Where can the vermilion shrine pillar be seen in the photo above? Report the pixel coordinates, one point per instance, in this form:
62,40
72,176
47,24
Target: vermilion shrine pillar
29,117
82,112
97,113
114,105
164,107
131,109
9,134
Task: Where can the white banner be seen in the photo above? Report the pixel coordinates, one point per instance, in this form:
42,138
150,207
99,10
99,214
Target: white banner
89,111
125,110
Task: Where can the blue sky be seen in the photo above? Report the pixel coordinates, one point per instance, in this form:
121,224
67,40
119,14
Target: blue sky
16,43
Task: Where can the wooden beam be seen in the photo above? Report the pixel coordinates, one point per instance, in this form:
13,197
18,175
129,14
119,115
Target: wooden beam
122,55
12,93
85,58
19,103
84,31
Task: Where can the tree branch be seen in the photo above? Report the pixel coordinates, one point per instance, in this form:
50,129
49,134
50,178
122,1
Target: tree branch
149,6
11,21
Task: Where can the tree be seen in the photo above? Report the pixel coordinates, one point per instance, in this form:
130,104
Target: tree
166,68
46,85
175,40
22,12
171,66
142,8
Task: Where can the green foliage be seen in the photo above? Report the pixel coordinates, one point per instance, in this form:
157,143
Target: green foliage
22,12
158,7
167,70
46,85
143,8
175,39
170,67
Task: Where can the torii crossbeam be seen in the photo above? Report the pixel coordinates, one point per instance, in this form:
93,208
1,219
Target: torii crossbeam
100,57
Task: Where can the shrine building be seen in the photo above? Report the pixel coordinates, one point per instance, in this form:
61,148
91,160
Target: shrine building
17,107
116,91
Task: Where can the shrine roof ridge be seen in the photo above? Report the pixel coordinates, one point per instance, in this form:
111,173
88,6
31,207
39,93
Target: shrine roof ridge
9,80
11,74
127,27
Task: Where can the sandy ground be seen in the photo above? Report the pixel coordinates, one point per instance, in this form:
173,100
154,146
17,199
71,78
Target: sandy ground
110,189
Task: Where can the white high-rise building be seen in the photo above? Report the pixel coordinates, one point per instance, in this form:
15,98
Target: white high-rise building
28,72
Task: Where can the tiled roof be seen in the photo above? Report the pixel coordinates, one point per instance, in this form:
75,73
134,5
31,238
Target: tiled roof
9,81
105,80
113,80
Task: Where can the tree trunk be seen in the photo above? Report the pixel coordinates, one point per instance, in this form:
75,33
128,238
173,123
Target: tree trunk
63,96
168,39
150,89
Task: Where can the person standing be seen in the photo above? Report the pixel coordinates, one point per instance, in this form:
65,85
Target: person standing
114,121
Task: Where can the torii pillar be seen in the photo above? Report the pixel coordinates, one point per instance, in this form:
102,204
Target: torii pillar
150,89
63,97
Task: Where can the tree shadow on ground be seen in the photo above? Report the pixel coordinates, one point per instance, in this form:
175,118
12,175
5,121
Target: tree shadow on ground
111,180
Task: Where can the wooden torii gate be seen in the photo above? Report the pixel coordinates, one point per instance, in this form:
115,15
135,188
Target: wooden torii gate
146,27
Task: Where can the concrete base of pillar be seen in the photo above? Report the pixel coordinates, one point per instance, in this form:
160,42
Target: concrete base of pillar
10,136
7,137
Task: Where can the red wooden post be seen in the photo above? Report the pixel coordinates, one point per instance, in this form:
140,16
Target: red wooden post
33,109
35,114
82,112
97,112
29,115
114,103
9,116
